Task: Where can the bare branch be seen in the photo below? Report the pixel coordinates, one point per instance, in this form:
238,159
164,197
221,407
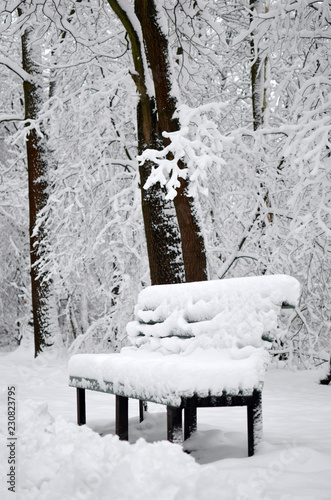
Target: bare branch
11,118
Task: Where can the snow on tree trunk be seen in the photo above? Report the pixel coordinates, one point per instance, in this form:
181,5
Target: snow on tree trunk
258,82
156,47
43,300
258,67
161,228
149,48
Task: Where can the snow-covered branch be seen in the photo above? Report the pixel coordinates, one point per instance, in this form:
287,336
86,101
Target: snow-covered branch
16,68
198,144
10,118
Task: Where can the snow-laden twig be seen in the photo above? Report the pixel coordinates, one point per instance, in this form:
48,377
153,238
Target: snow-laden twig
197,145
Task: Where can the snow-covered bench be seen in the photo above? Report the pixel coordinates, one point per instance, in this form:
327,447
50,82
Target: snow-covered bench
193,345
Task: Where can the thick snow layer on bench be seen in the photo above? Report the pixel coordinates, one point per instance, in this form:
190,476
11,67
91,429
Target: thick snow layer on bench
220,313
165,379
194,338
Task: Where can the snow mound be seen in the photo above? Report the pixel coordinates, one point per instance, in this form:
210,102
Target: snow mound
61,461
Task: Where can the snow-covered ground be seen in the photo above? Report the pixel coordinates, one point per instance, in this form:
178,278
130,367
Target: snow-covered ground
57,460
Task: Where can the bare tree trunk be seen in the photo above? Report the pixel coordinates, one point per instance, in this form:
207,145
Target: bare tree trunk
258,83
161,228
37,159
156,48
165,255
258,70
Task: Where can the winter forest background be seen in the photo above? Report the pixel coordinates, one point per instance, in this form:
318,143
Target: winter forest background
226,104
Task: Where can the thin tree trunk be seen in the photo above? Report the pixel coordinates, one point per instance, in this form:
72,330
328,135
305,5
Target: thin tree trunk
258,70
258,83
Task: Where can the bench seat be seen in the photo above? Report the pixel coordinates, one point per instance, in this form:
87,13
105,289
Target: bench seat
151,376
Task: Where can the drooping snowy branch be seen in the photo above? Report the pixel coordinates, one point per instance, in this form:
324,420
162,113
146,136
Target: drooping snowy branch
198,144
17,69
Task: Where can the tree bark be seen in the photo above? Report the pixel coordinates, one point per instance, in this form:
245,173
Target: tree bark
161,228
258,70
258,81
164,252
37,161
157,53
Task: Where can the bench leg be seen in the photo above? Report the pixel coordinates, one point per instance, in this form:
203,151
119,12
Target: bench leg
190,421
254,421
122,417
142,409
174,425
81,406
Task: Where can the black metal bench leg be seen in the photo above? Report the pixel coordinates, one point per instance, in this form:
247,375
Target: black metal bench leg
81,406
122,417
142,410
254,421
190,421
174,425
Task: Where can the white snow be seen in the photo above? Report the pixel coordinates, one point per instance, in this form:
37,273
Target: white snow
218,313
223,320
56,460
16,68
165,379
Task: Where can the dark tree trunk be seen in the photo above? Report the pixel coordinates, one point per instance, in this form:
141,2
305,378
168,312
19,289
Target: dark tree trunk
161,229
193,245
160,225
38,196
156,47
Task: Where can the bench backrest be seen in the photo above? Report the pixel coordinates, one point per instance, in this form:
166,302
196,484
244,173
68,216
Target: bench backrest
225,313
